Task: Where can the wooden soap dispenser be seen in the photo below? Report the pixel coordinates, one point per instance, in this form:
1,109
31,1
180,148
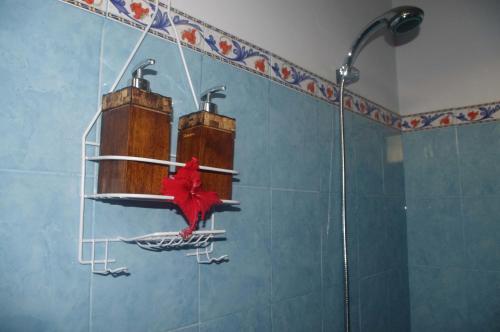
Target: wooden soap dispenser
209,137
135,123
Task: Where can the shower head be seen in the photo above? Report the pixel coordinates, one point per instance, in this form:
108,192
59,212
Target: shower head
405,19
399,20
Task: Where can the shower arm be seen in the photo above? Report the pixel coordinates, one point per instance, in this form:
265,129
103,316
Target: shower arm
374,26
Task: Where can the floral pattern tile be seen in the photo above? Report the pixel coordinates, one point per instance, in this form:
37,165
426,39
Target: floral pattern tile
293,76
450,117
230,49
328,91
237,52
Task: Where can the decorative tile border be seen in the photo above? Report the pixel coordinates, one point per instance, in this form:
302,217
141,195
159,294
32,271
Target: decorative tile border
452,116
230,49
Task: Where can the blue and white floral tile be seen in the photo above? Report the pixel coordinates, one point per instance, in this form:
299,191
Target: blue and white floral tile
328,91
136,13
191,30
483,112
235,51
432,120
293,76
228,48
450,117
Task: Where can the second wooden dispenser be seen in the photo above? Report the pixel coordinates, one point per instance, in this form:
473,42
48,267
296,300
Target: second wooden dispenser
209,137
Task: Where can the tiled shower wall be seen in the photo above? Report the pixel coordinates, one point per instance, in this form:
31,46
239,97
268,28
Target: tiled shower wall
284,272
453,198
376,222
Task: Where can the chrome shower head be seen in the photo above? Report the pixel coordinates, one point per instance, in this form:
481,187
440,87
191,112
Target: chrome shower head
399,20
405,19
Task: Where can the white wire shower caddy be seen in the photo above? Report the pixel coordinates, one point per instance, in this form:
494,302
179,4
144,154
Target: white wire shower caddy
202,241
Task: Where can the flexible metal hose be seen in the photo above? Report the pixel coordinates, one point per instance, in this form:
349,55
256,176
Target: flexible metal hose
347,311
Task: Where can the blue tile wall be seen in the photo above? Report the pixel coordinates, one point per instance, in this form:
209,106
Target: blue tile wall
42,286
376,226
431,163
481,290
295,148
375,305
296,244
252,319
438,300
52,69
301,313
284,243
435,233
453,248
248,102
246,281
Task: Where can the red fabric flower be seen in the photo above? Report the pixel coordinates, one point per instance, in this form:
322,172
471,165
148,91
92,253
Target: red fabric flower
193,201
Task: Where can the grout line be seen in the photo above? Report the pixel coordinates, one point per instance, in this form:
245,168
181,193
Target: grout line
373,275
183,327
461,191
454,267
38,172
329,215
251,187
435,197
268,149
296,190
312,292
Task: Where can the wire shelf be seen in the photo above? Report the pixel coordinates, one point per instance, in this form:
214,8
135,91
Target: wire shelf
173,240
201,241
143,197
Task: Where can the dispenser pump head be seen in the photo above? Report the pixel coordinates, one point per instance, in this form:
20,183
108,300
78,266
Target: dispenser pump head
138,80
206,98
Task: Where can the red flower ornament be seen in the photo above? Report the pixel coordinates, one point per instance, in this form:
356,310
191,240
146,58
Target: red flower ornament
285,73
362,107
310,87
348,103
329,92
139,11
193,201
472,115
189,35
225,47
445,121
260,65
